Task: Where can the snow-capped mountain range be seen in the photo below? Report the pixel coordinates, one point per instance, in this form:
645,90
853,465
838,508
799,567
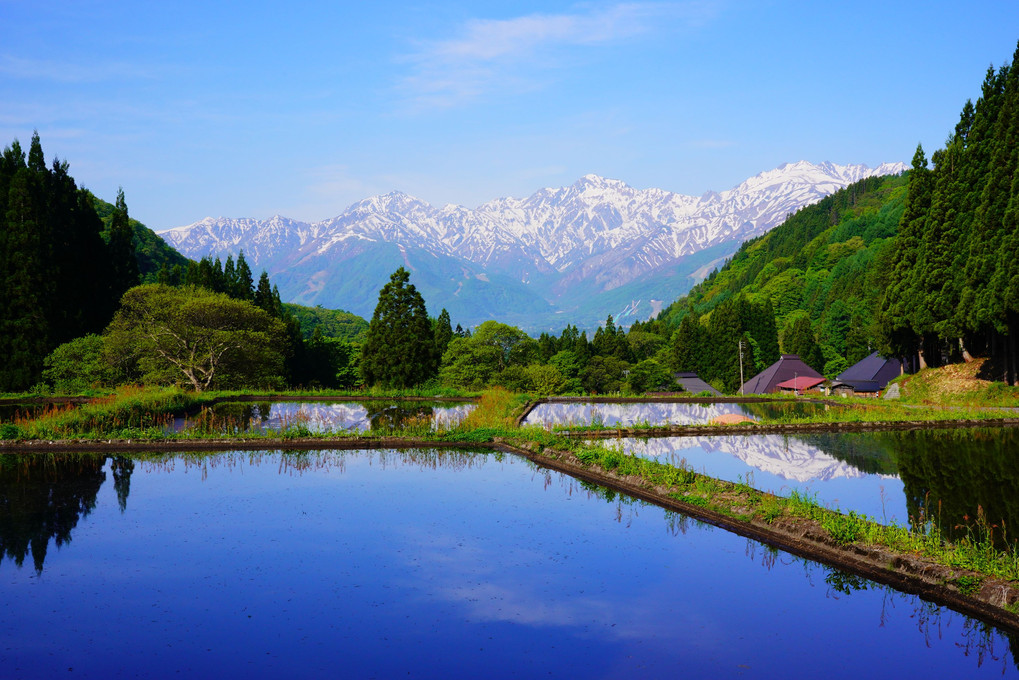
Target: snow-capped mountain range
573,254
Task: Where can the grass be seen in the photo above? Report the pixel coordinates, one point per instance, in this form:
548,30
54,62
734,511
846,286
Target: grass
957,385
129,412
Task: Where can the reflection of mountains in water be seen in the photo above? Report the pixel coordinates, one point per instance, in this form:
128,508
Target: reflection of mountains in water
626,415
363,416
331,416
787,457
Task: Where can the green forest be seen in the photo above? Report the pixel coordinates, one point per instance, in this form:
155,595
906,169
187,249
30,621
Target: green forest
954,283
920,266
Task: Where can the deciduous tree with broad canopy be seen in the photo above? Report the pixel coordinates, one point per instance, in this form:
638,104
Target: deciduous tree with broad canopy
206,338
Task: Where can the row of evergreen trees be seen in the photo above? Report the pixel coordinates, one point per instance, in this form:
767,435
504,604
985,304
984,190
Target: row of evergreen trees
954,289
59,277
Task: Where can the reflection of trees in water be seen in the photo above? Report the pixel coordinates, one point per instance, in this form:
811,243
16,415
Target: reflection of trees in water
395,416
42,497
987,643
952,475
776,410
300,461
870,452
233,416
122,468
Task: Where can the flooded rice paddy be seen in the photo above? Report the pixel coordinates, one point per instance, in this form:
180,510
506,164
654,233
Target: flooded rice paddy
422,564
551,414
949,477
325,416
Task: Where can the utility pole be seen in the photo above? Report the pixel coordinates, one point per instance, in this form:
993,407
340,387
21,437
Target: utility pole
741,367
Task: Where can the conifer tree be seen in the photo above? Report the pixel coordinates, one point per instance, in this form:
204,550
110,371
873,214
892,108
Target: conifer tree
36,159
399,351
263,294
245,289
902,293
23,326
124,264
443,332
690,348
799,339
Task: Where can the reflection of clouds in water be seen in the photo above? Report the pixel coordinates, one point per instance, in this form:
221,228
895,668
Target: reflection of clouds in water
341,416
786,457
520,586
625,415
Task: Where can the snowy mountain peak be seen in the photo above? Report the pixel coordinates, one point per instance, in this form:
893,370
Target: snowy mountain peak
572,243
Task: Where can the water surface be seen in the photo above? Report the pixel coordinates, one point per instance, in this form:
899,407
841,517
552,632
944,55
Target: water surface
422,564
325,416
951,477
551,414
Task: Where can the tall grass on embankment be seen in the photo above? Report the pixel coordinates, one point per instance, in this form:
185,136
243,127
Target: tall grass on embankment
130,412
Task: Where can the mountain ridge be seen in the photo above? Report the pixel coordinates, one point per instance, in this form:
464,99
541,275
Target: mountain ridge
558,250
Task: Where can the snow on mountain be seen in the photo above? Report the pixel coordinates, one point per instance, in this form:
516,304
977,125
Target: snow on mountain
597,234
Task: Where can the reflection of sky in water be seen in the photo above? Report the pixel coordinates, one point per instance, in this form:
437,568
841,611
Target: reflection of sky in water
371,564
549,414
348,416
625,415
779,464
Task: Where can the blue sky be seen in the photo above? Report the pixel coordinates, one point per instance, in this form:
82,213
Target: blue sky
249,109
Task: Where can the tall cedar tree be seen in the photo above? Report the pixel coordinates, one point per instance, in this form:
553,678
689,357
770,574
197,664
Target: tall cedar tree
121,243
443,332
54,265
399,351
954,283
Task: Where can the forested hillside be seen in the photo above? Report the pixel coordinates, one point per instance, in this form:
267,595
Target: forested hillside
822,273
151,251
922,266
331,323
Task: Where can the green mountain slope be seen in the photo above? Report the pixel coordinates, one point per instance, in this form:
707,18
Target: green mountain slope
150,248
333,323
828,261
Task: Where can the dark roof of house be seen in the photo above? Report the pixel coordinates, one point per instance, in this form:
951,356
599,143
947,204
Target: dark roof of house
692,384
800,383
788,366
872,373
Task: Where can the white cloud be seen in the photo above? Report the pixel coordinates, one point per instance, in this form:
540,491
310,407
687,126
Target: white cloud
514,53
